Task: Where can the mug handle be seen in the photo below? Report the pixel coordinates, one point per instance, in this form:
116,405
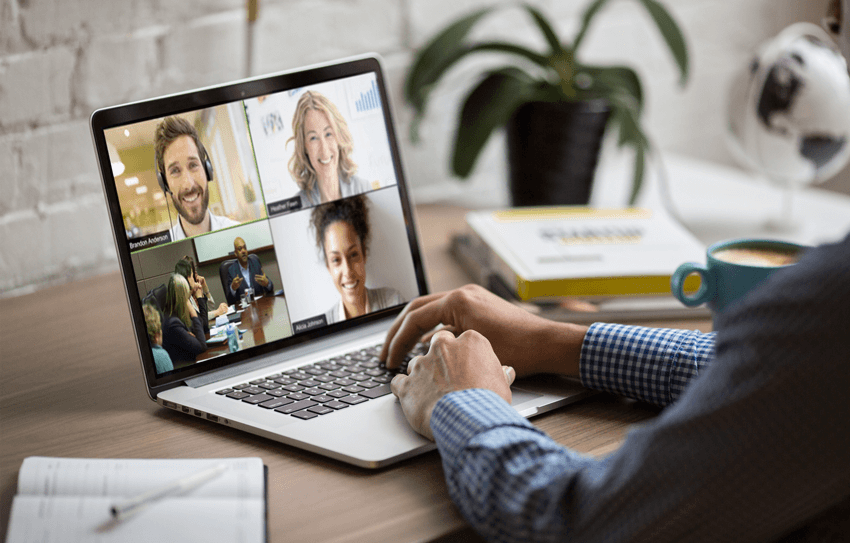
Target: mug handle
706,287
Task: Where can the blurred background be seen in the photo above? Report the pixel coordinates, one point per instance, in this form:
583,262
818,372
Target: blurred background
62,59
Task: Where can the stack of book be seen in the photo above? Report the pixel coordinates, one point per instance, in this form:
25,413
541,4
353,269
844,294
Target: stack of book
581,264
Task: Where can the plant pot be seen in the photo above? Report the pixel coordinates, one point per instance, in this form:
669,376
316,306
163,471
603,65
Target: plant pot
553,148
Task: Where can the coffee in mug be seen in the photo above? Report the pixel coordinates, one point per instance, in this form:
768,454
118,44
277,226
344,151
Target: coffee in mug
755,256
732,269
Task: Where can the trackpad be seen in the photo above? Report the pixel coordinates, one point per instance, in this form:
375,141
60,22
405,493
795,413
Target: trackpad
520,396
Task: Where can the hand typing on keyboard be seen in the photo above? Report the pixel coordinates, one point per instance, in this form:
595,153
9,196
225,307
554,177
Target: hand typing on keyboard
322,387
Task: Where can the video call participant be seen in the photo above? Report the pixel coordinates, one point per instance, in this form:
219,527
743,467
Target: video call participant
342,235
184,171
246,272
321,163
189,269
182,329
153,322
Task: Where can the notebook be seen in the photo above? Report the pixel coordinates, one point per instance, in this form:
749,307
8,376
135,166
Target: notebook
70,499
286,196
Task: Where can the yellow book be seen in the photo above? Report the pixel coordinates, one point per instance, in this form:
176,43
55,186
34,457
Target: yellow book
551,252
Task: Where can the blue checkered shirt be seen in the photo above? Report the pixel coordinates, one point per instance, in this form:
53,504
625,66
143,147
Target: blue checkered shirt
756,449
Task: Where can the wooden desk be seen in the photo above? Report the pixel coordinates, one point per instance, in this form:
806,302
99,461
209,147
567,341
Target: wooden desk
70,385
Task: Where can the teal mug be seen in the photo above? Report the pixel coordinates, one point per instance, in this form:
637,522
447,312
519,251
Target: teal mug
732,269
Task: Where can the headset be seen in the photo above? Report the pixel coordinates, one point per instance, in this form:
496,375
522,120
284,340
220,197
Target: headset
205,160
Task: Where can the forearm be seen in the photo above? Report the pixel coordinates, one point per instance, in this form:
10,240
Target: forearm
649,364
510,481
196,344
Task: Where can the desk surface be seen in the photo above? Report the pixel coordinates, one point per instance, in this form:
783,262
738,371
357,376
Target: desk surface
71,387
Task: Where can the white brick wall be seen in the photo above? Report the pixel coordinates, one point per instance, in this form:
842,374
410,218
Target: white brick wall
61,59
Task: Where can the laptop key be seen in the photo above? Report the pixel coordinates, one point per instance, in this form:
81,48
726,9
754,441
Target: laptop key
277,393
377,392
353,400
337,394
238,395
253,390
354,389
224,391
297,406
269,385
298,396
259,398
336,404
305,415
329,386
275,403
321,398
320,410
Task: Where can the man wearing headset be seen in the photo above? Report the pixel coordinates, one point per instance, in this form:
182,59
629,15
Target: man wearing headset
184,171
754,444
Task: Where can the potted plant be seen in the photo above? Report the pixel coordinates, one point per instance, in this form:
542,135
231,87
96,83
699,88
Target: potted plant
551,103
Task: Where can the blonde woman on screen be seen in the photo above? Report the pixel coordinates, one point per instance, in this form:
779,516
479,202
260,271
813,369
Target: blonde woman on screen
342,235
321,163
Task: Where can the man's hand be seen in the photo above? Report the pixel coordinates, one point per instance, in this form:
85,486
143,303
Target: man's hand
234,285
262,280
452,363
528,343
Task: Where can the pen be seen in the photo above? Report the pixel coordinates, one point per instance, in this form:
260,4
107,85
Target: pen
128,507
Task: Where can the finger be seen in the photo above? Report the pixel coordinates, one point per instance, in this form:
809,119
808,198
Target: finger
427,337
405,333
510,374
397,384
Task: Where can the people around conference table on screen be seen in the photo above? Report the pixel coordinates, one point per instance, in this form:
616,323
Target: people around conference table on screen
321,163
184,171
342,232
246,272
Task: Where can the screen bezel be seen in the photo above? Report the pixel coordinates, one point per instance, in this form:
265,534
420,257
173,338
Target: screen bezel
116,116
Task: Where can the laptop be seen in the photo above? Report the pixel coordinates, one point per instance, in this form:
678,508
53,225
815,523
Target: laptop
286,196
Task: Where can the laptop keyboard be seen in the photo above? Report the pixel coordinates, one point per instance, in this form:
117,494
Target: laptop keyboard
322,387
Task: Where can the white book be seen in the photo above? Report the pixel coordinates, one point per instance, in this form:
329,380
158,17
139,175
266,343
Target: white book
553,252
70,500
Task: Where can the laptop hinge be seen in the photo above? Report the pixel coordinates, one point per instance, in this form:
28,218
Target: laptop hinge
283,355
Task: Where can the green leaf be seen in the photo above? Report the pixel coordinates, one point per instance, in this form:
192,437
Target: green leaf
546,29
640,168
620,81
436,57
631,135
589,13
488,107
672,35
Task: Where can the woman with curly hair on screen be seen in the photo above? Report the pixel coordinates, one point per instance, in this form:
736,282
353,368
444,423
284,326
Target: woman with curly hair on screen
342,235
321,164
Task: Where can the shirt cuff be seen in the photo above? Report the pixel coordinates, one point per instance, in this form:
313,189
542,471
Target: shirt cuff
648,364
460,416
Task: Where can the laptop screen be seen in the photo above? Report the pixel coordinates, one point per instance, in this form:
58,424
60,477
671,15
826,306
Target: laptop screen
246,225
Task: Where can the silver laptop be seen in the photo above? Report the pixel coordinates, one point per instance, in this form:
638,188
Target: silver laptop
266,240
